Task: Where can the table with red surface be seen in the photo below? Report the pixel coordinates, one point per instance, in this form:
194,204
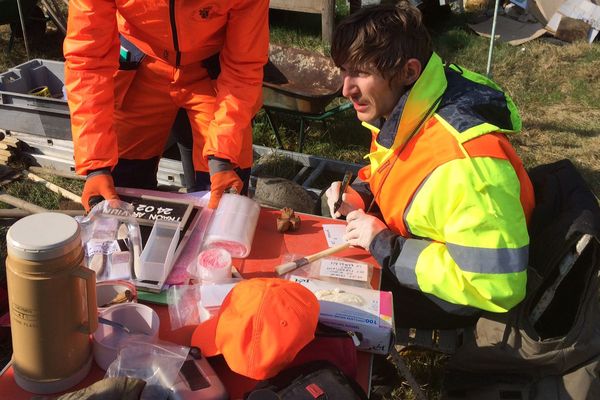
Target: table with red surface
269,249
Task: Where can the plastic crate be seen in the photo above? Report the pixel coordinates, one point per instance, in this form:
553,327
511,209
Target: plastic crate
24,112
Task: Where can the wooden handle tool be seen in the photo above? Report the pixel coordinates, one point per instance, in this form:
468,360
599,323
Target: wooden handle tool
299,262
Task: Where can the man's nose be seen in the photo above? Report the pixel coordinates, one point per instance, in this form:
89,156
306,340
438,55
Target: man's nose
348,88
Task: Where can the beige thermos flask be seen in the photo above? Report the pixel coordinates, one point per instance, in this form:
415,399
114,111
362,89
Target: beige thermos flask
52,300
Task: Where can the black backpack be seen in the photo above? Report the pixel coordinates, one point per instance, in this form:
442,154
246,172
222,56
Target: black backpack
310,381
547,347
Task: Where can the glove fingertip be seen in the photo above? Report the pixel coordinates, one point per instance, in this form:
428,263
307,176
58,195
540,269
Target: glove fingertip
213,202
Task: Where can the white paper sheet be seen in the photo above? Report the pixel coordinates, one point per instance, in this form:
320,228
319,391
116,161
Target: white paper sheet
334,233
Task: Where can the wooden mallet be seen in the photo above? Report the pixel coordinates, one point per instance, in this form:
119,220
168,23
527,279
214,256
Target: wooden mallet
299,262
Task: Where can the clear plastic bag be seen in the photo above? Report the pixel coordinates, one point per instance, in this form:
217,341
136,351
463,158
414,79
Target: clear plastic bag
194,304
334,269
157,363
184,306
112,240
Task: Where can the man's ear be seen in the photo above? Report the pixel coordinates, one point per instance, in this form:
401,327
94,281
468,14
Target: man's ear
411,71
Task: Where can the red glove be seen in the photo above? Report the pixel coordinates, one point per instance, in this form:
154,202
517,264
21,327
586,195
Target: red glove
221,181
99,185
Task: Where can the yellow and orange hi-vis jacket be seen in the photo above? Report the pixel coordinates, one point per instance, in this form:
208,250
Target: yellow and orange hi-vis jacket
177,32
453,192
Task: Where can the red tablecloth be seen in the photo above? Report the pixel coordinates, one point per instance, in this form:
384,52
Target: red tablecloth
268,250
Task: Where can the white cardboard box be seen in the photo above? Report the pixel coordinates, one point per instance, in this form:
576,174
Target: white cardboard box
368,313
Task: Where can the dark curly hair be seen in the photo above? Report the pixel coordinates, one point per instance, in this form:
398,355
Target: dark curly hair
383,37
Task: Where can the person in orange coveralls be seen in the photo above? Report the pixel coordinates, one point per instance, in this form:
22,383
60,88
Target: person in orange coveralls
131,65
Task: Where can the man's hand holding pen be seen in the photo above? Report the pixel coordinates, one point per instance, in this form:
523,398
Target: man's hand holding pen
342,199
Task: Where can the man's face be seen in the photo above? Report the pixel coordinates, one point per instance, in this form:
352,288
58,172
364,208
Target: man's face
371,94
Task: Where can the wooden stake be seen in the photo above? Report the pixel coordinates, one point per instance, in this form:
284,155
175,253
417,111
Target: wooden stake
55,188
25,205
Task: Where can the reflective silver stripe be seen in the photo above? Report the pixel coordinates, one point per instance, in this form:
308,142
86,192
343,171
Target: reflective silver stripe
489,261
405,265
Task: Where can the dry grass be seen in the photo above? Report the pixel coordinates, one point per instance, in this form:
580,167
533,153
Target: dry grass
558,93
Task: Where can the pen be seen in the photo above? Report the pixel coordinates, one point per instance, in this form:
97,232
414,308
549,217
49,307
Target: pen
343,187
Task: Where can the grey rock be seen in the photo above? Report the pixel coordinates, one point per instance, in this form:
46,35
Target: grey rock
280,192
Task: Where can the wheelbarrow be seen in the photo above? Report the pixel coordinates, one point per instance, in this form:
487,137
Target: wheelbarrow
27,18
33,18
301,83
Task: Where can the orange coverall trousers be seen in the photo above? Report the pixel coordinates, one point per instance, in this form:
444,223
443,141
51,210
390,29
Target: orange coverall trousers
147,100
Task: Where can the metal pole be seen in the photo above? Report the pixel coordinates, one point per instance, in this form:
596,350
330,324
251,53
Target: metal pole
488,70
23,28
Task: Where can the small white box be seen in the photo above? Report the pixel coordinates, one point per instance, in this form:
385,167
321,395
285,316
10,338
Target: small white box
367,312
156,260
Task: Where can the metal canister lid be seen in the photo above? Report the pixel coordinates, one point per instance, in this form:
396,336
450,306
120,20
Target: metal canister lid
43,236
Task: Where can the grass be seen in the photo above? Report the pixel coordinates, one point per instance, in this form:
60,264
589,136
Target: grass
554,86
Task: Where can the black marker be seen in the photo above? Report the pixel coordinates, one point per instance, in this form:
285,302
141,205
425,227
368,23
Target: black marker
343,187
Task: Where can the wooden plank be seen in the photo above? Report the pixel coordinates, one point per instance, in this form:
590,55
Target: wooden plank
328,21
22,204
7,146
307,6
55,188
324,7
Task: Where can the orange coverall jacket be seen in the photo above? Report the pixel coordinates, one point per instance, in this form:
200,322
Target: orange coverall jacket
174,35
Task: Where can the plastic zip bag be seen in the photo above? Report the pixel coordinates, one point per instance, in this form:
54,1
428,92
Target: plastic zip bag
156,362
194,304
111,239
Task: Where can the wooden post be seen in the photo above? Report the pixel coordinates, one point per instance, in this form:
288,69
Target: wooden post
327,20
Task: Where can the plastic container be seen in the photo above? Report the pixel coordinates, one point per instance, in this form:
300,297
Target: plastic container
156,259
52,299
214,265
107,339
21,111
108,291
233,225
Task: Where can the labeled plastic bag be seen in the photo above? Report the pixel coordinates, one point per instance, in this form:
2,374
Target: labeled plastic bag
111,239
334,269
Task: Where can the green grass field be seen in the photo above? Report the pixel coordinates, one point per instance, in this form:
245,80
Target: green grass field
555,86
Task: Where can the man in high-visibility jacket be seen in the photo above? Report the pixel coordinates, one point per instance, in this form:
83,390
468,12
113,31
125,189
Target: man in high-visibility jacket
130,66
453,196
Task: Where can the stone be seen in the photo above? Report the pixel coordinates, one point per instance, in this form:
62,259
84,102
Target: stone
280,193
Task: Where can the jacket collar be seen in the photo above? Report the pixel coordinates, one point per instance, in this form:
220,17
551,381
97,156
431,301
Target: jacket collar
414,106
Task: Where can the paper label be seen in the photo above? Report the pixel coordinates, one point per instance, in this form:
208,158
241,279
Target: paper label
334,233
344,270
101,247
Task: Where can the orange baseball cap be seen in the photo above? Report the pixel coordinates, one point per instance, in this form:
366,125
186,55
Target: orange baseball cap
261,326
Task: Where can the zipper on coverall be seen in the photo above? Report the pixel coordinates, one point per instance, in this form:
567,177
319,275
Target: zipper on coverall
174,32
